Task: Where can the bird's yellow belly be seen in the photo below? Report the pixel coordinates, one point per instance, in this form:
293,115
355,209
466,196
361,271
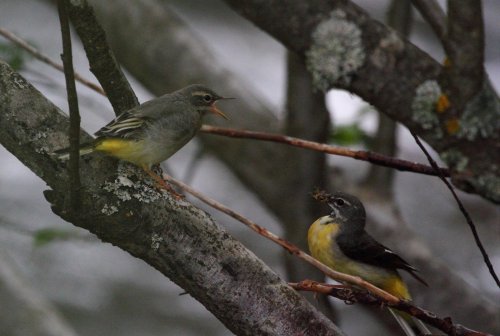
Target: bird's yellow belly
320,244
128,150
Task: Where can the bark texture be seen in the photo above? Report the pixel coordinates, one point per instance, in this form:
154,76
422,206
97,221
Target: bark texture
345,48
257,165
176,238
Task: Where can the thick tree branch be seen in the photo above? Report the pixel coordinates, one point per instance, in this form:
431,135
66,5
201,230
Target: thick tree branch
176,238
345,48
259,165
101,59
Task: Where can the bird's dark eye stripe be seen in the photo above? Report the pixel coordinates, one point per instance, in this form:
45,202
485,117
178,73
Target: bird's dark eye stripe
207,97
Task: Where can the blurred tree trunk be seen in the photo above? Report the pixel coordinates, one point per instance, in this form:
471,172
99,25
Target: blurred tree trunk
399,17
308,118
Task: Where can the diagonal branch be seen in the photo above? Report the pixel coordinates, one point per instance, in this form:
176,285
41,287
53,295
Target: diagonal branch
472,227
285,244
46,59
179,240
368,156
434,15
352,295
101,59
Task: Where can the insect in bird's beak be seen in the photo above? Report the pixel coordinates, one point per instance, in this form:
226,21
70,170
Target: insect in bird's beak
218,112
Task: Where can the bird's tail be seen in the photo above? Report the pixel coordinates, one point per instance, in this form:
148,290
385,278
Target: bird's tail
63,154
411,326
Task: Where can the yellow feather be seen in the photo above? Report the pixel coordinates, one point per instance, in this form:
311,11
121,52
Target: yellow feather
321,240
128,150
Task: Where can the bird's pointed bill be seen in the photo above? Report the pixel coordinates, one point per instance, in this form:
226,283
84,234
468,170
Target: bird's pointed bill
218,112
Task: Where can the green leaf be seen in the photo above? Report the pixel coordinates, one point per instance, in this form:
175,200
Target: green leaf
13,55
48,235
349,135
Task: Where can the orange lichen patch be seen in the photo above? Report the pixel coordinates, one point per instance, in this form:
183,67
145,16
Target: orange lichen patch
442,104
447,62
452,126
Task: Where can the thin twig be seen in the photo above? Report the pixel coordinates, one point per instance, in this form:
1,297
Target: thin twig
352,295
46,59
462,209
371,157
74,114
434,15
285,244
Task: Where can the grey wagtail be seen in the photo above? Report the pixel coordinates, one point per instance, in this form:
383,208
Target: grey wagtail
153,131
340,241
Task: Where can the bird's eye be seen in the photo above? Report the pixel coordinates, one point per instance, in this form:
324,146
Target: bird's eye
339,202
207,98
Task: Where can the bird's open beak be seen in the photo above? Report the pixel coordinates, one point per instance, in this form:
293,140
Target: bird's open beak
218,112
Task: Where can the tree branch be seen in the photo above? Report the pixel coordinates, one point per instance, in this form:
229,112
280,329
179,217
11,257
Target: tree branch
368,156
102,61
345,48
434,15
258,164
352,295
176,238
468,219
74,114
465,49
46,59
293,249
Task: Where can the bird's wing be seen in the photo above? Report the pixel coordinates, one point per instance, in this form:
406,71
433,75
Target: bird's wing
369,251
126,125
132,123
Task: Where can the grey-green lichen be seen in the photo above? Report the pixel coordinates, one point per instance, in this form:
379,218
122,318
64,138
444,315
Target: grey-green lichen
481,116
336,51
125,189
18,82
454,158
489,184
156,240
108,210
36,138
384,56
423,106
